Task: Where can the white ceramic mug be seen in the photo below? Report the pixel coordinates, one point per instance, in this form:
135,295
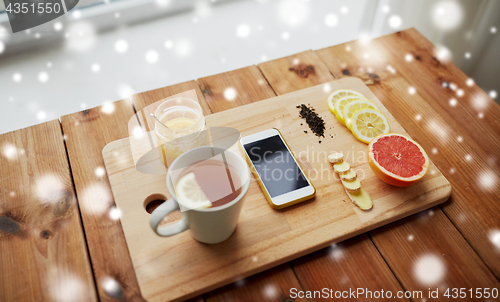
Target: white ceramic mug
208,225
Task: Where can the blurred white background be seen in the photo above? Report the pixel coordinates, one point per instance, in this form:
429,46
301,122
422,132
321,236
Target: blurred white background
103,51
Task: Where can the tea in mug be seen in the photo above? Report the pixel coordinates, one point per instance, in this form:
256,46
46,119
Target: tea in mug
208,183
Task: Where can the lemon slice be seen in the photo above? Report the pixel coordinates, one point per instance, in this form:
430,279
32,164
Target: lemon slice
354,106
189,193
367,124
341,103
337,94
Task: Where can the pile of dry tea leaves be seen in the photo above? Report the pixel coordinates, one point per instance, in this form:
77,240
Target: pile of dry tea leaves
313,120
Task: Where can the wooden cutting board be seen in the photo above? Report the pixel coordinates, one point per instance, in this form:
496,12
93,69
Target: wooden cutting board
178,267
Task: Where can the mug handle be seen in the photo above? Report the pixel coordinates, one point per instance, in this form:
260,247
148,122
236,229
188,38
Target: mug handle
163,210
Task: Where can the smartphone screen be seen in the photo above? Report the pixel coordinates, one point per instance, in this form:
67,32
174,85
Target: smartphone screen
275,165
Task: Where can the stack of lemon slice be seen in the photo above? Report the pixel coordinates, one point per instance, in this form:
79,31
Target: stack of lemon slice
360,115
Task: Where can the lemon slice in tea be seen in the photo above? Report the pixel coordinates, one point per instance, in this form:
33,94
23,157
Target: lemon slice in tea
190,194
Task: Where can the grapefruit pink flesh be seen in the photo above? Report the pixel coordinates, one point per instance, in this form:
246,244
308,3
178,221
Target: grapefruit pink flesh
397,160
399,156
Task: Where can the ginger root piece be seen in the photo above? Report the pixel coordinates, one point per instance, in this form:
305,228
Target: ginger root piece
349,179
341,168
336,157
362,199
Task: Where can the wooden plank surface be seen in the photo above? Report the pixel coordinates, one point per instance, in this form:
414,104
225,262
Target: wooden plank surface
346,266
144,99
87,132
424,258
43,255
391,85
443,82
234,88
295,72
272,285
474,208
282,76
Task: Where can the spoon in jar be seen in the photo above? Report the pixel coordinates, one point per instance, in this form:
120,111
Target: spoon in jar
158,120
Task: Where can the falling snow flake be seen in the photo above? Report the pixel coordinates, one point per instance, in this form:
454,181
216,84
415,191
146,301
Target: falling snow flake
494,237
243,31
493,94
168,44
41,115
100,172
293,13
9,151
447,15
121,46
487,180
17,77
183,48
43,77
95,67
77,14
395,21
230,94
58,26
115,213
429,269
331,20
152,56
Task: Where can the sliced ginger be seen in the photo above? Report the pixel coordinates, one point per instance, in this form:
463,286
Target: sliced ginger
350,180
361,198
336,157
349,176
342,167
351,186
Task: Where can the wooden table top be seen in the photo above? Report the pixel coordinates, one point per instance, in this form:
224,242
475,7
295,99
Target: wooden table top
61,240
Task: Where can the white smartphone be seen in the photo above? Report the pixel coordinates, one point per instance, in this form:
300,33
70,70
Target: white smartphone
278,172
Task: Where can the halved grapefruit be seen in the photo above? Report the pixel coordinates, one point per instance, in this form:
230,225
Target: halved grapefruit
397,159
